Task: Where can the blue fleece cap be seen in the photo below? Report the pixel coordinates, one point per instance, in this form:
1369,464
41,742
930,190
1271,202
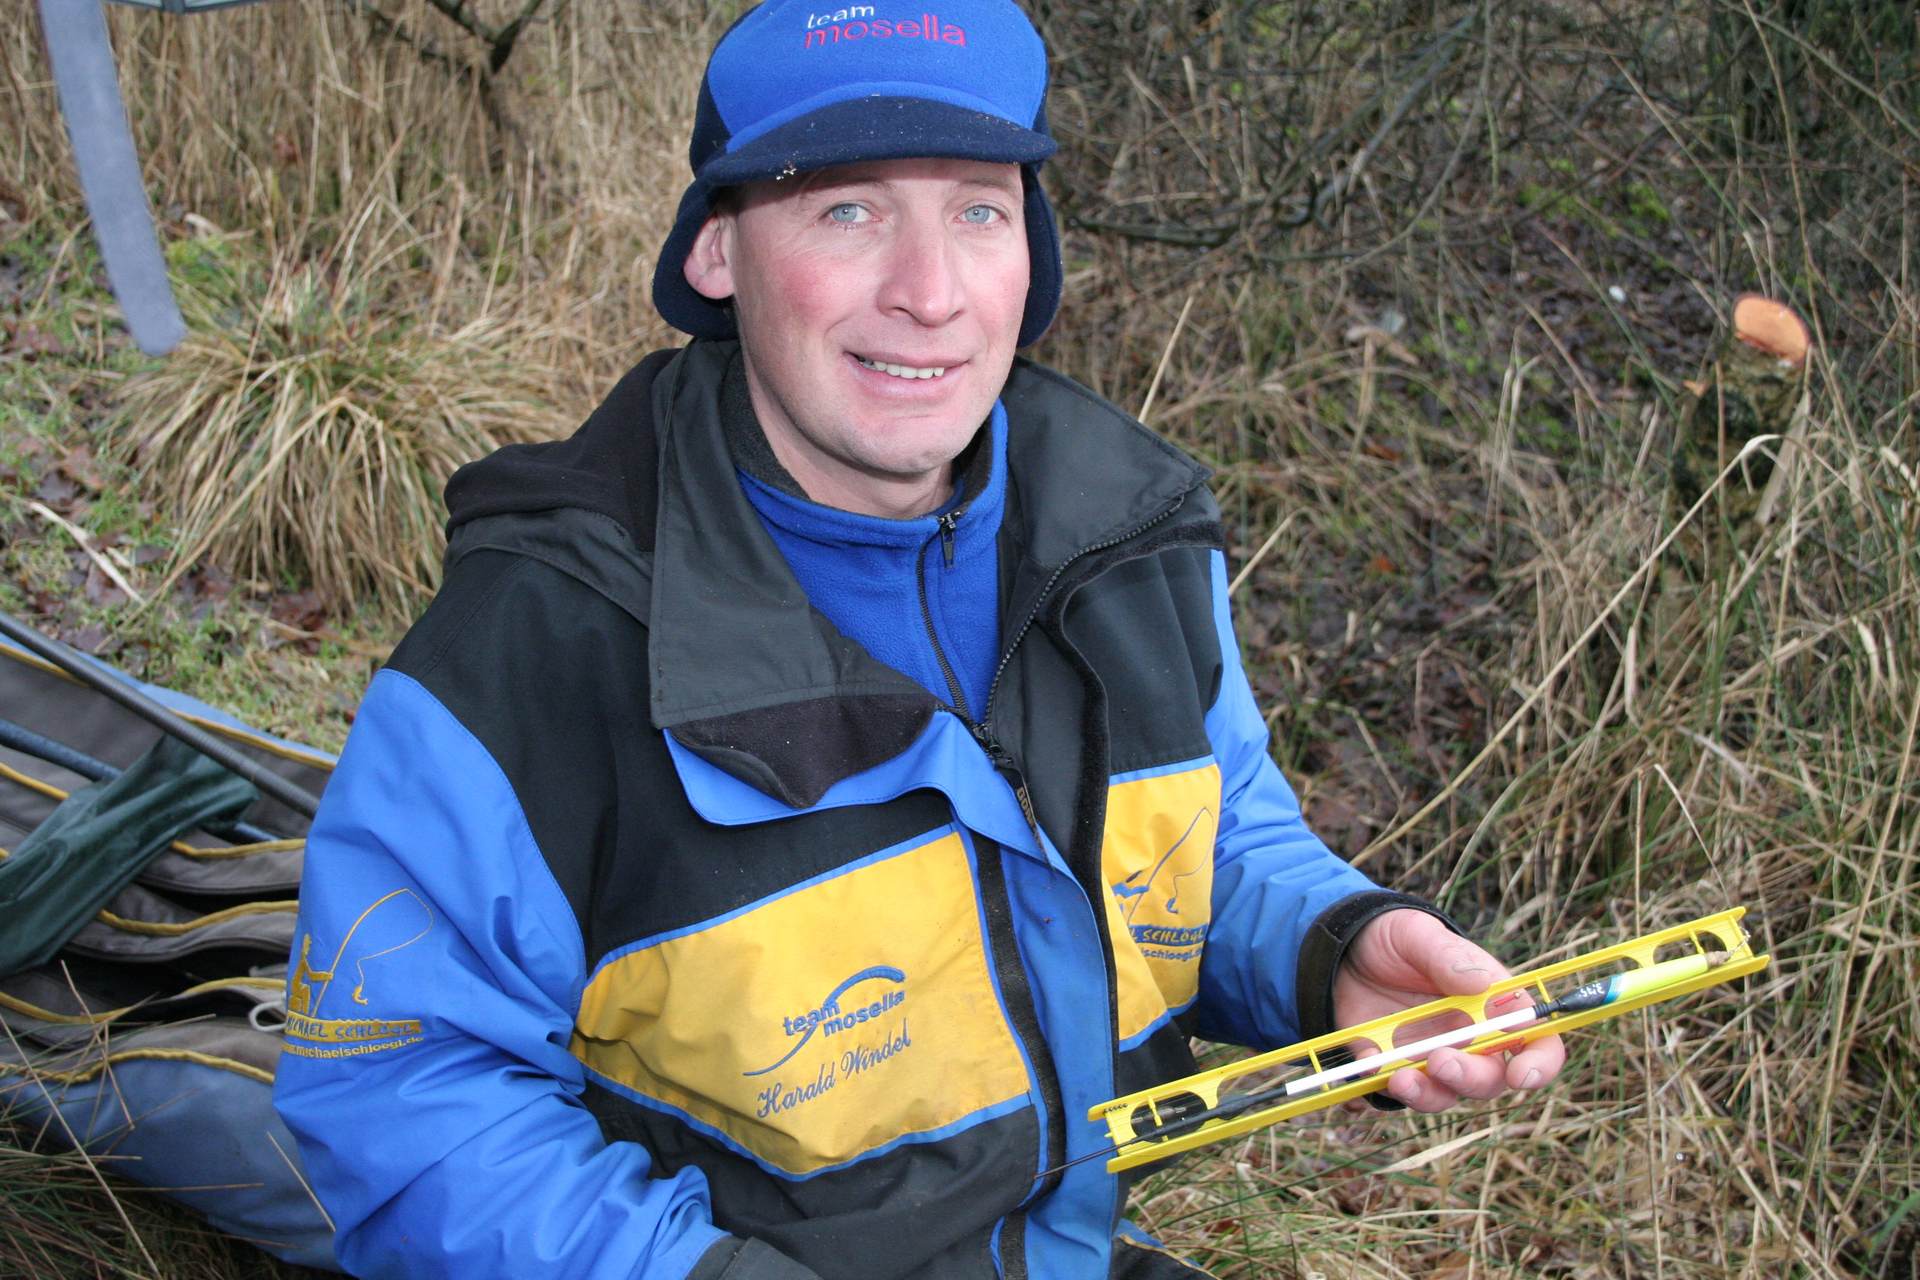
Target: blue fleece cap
798,85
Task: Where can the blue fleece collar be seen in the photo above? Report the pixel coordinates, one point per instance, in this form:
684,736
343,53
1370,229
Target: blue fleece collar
867,573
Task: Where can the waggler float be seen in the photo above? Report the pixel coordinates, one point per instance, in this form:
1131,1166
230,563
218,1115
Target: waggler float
1181,1115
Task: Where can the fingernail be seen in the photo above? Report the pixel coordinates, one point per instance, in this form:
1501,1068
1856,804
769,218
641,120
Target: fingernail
1533,1078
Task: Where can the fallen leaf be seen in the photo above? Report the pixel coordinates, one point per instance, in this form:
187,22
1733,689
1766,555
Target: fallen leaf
57,491
80,466
1386,453
1380,564
101,589
29,341
306,610
207,584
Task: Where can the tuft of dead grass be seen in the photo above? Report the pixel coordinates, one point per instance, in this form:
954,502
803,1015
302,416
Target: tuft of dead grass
308,424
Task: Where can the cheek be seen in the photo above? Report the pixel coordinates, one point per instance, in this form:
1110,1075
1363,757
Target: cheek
1000,288
812,294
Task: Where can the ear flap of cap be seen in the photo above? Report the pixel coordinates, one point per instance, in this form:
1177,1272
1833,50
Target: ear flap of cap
1044,274
679,303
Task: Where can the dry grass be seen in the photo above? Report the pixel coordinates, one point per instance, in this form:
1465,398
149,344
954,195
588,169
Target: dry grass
388,266
1443,269
316,440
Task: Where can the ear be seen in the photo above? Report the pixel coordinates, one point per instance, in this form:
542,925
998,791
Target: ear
709,264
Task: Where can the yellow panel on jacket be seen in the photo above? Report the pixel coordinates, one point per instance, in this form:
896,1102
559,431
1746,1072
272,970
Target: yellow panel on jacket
1158,859
821,1024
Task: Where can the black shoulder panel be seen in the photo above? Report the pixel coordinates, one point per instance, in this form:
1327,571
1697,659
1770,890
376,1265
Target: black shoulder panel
551,676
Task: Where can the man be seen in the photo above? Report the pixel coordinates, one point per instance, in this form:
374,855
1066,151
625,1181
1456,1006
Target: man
830,772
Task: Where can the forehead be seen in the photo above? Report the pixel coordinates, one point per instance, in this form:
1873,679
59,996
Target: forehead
934,175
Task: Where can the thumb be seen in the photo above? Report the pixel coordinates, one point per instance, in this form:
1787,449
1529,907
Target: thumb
1451,964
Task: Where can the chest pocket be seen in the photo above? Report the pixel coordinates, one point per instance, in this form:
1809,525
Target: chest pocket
820,1024
1157,856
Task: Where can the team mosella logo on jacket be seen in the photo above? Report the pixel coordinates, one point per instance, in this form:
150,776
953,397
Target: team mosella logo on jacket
855,1021
391,923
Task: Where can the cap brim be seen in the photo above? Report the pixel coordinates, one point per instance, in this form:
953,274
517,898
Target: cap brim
876,127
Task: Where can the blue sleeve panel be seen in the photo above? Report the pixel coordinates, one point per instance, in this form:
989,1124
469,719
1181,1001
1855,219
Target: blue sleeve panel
459,1147
1272,876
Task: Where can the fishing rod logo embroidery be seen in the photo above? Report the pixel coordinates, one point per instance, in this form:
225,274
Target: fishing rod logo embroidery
1155,901
392,923
873,1040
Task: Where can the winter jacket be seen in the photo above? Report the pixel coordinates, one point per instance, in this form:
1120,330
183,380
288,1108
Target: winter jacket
650,927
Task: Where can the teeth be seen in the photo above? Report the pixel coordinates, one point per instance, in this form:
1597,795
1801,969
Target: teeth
901,370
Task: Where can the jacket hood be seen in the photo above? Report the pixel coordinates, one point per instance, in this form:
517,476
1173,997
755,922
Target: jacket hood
608,466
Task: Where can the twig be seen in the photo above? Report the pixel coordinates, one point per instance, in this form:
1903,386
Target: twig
85,540
302,1179
468,22
1261,554
499,40
509,34
1166,354
456,68
1210,237
1440,54
428,51
53,1108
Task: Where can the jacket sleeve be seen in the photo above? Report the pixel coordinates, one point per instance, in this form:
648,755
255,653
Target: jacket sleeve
434,979
1284,905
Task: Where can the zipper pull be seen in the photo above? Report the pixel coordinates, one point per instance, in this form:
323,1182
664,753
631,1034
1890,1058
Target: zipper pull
947,522
1003,761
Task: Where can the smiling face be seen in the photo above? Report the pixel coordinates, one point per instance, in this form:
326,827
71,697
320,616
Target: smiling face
878,306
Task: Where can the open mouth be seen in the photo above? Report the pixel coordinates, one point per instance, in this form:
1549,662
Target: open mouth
902,370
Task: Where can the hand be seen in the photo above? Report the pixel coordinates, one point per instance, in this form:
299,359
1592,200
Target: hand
1404,958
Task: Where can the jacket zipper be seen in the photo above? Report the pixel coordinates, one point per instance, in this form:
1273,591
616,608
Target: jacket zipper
1006,654
1005,764
1054,1139
947,522
1005,948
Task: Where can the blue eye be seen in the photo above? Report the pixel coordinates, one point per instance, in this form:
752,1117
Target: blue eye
847,213
981,214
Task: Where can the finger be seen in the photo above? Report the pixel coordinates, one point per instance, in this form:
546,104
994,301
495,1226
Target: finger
1469,1075
1535,1066
1420,1091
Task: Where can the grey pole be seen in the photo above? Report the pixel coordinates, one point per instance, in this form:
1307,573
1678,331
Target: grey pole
89,85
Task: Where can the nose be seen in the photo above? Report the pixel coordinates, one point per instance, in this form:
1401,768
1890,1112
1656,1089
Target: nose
921,275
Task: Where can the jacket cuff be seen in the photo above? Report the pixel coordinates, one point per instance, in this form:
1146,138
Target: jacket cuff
1327,940
731,1258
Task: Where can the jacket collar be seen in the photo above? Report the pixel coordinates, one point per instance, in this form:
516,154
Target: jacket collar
746,673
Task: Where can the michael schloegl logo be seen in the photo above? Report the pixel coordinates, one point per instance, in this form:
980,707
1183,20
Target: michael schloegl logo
1161,889
853,1018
